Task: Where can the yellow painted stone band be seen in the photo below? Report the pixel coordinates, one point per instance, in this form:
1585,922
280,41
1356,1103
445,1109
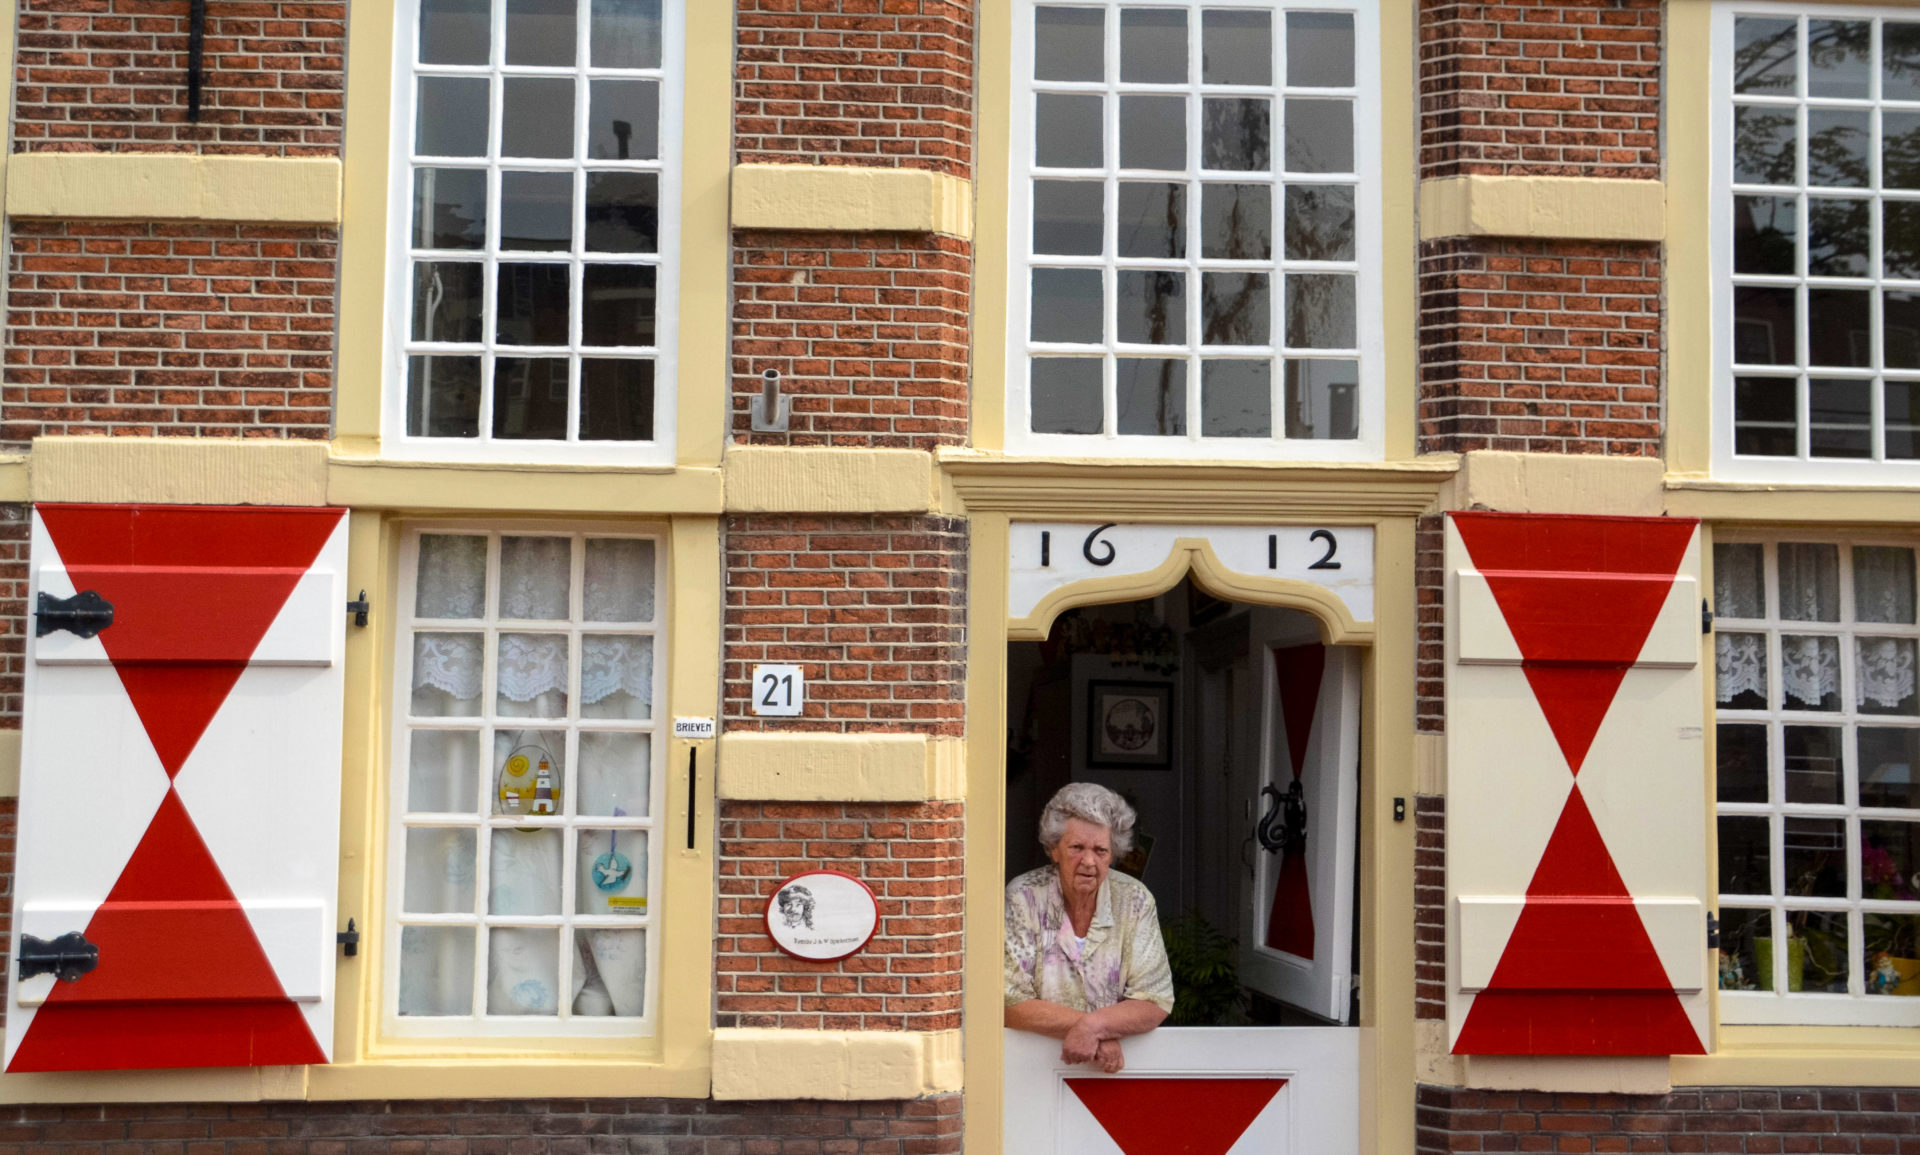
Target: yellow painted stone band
169,186
840,767
841,198
841,1065
1572,208
777,479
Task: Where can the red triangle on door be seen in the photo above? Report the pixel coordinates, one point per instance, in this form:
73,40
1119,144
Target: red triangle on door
182,980
1579,975
1580,596
199,584
1176,1116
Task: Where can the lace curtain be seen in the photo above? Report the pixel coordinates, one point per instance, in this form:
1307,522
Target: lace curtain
1739,666
1882,584
531,665
1739,581
1884,678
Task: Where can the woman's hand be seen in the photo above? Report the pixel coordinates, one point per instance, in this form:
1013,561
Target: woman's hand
1109,1057
1082,1041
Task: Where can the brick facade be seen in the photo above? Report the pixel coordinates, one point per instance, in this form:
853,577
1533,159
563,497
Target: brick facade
1430,620
149,328
1694,1119
907,978
110,76
855,82
1430,906
490,1127
869,332
1540,88
874,608
1540,346
15,537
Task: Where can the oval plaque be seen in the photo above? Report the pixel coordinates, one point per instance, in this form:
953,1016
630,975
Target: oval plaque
822,915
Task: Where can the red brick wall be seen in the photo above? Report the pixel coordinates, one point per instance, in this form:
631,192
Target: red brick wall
1540,346
1430,906
9,829
873,607
487,1127
15,535
1430,663
191,329
855,81
1540,87
110,75
908,977
867,330
1772,1119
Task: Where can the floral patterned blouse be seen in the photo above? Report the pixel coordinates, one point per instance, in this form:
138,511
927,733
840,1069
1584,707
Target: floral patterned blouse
1123,957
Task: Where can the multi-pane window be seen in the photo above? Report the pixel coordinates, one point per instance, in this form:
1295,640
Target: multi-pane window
1818,741
1821,146
524,790
536,186
1192,229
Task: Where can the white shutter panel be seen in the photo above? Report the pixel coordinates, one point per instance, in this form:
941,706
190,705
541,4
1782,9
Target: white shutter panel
180,788
1576,789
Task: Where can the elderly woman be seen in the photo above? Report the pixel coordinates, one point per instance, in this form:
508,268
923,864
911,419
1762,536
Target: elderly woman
1085,963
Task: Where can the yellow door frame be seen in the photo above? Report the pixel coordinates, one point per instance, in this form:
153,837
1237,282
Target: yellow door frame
1386,962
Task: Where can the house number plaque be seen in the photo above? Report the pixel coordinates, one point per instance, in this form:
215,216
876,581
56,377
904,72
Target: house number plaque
1046,556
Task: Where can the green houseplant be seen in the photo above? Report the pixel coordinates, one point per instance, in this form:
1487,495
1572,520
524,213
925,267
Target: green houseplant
1206,973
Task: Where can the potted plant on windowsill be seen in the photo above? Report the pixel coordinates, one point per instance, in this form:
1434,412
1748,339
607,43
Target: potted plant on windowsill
1892,941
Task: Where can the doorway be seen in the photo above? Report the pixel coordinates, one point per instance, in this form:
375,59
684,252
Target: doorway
1234,733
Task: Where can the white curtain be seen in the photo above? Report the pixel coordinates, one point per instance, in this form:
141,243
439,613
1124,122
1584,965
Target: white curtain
453,577
1739,581
1882,584
619,580
1809,668
1739,666
535,573
1809,582
1883,670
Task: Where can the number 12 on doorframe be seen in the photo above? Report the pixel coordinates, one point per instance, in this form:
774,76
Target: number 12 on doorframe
779,691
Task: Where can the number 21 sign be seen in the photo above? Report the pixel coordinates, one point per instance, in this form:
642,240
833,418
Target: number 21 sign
779,691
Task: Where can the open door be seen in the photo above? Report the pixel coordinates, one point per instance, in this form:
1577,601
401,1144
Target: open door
1296,916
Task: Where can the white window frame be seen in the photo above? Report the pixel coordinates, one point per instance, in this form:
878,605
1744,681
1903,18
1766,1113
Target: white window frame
1779,1006
397,322
1370,445
1803,468
479,1023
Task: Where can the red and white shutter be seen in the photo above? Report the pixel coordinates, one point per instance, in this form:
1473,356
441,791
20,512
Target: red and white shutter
1576,789
1297,930
180,789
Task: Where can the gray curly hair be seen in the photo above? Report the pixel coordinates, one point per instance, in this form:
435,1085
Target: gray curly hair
1088,802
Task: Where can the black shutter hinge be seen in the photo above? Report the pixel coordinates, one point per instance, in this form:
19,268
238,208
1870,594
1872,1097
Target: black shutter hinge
1706,617
66,958
359,609
83,615
1713,932
349,940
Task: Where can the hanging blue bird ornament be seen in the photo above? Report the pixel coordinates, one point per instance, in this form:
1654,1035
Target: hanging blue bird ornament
612,869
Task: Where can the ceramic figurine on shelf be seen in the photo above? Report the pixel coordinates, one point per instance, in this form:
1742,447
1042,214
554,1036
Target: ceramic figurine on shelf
543,790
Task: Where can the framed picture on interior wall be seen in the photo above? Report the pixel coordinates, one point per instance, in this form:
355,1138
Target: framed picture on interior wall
1129,725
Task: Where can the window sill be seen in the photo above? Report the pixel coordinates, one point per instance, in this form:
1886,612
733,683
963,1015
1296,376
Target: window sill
502,1074
1715,499
386,483
1805,1056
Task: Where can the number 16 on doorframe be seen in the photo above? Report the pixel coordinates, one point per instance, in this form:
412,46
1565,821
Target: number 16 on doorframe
779,691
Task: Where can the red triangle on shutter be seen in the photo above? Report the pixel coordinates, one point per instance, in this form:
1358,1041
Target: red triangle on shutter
201,584
183,980
1579,974
1577,634
1176,1116
1298,671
